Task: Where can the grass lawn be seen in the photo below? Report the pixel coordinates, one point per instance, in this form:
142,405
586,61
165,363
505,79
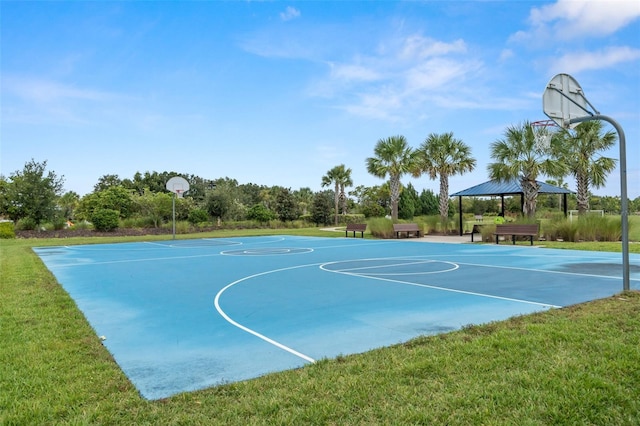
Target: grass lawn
576,365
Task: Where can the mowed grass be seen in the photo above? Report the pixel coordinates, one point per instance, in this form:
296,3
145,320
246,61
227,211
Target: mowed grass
576,365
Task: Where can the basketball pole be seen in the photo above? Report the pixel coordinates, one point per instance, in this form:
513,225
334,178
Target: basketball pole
624,214
174,215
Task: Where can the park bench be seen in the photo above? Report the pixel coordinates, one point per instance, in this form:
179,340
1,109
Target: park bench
477,229
516,230
355,227
408,228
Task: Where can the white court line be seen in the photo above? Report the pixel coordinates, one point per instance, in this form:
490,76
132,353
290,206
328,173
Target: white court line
422,262
216,302
546,271
186,242
472,293
321,267
149,259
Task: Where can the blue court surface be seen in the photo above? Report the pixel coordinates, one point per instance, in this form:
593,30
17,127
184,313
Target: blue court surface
183,315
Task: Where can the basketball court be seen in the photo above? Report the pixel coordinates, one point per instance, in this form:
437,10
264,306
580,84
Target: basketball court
183,315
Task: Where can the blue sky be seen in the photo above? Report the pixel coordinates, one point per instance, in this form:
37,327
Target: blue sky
278,93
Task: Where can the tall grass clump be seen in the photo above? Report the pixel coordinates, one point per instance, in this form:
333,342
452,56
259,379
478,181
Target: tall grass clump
599,228
487,232
183,227
566,231
584,228
431,224
381,227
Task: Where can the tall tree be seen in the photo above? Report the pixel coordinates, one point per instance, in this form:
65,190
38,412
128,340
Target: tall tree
340,177
157,206
393,157
115,198
517,157
321,208
286,205
582,156
106,182
68,204
32,192
304,198
443,155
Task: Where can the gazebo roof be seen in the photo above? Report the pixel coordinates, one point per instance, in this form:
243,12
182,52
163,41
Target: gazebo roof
497,188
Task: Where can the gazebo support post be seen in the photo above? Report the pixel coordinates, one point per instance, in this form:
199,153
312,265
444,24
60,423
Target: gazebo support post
460,213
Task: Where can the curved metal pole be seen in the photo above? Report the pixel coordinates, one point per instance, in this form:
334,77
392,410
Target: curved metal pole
623,191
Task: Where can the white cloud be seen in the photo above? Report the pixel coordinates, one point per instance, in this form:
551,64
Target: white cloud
570,19
605,58
354,72
47,91
290,13
434,74
416,47
40,100
403,74
506,54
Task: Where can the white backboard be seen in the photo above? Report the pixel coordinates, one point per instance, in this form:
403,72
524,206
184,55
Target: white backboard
563,99
177,185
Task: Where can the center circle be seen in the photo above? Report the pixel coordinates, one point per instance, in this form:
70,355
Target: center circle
275,251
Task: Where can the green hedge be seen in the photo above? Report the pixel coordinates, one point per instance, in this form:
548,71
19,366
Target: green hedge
7,230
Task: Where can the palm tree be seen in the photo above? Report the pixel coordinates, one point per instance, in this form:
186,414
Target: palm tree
444,156
518,158
340,177
581,156
393,157
304,197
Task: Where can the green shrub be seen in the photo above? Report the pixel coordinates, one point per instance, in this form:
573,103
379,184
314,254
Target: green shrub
373,210
82,224
59,223
7,230
183,227
26,224
198,216
307,218
105,219
138,222
260,214
346,219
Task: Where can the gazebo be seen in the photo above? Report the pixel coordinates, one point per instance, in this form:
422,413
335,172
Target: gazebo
495,188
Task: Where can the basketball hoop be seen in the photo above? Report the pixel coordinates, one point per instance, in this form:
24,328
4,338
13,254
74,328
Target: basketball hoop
178,185
542,135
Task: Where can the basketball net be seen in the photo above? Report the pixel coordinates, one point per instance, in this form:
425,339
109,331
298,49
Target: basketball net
542,135
179,193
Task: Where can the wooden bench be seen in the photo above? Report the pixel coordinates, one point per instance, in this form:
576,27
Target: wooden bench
409,228
477,229
516,230
355,227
